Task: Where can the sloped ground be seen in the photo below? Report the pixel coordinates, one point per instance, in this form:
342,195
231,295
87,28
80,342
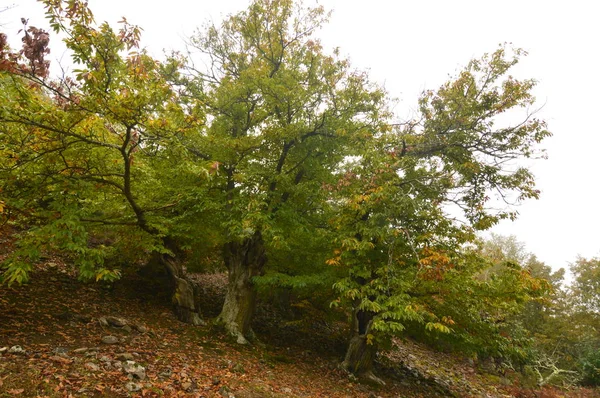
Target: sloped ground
61,327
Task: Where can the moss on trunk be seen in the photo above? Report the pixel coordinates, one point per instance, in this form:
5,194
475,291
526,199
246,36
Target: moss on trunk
244,261
360,356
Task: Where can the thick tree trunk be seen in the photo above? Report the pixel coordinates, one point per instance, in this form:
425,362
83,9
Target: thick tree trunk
184,293
244,260
168,270
360,355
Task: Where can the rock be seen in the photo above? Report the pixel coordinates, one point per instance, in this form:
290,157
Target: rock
127,328
134,370
92,366
104,358
102,321
80,350
117,322
141,328
165,374
118,364
60,350
16,349
286,390
3,349
125,356
110,340
133,387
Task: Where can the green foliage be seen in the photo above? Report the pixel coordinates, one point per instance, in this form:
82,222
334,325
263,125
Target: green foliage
89,155
590,367
282,154
409,262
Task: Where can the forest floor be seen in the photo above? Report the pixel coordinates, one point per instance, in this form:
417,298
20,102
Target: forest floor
54,343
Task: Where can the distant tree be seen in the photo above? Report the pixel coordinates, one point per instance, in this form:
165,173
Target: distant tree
586,284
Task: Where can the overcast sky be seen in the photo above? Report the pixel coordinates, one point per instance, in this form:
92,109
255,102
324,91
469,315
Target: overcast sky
413,45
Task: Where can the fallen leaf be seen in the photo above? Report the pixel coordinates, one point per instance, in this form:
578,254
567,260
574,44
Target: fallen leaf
16,391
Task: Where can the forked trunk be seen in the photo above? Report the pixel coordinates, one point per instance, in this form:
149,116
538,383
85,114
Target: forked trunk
244,260
360,356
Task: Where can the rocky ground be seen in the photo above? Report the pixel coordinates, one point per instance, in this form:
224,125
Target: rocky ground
63,338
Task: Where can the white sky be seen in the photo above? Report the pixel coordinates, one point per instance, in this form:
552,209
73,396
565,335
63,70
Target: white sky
412,45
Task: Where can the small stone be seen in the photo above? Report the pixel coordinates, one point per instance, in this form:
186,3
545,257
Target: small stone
133,387
127,328
16,349
60,350
80,350
141,328
110,340
117,322
165,374
134,370
125,356
104,358
286,390
118,364
102,321
92,366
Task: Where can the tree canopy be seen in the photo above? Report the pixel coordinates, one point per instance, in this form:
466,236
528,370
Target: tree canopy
282,161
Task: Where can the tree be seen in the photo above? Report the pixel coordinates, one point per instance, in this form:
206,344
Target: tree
89,159
402,248
586,284
281,115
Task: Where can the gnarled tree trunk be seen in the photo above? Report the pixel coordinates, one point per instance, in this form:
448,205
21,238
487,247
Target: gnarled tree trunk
244,260
360,355
184,294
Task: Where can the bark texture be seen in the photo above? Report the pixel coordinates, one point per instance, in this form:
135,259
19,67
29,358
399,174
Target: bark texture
184,293
244,260
360,356
167,271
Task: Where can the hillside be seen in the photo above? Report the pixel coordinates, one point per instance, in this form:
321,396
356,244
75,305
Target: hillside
54,343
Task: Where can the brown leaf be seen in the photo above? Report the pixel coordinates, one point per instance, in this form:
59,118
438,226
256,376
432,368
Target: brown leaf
60,359
16,391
